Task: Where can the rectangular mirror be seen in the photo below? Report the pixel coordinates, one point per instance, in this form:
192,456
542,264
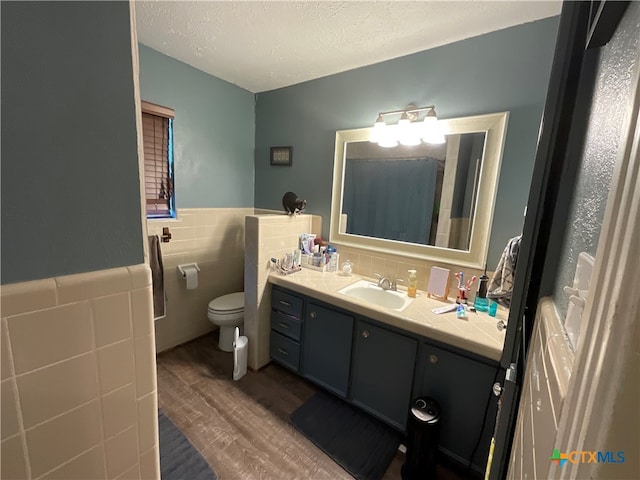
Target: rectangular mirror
426,201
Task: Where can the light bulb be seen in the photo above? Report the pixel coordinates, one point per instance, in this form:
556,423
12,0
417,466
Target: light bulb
378,130
409,135
433,131
434,137
388,140
431,116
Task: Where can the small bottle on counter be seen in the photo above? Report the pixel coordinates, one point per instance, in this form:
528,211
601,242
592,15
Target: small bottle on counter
347,268
413,284
493,308
481,303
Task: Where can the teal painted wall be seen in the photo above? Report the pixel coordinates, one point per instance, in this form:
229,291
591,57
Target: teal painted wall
611,106
507,70
214,131
70,184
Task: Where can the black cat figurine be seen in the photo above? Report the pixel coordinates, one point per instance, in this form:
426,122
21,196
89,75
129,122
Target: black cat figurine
292,204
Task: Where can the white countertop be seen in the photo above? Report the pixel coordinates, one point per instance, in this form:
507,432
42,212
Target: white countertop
477,333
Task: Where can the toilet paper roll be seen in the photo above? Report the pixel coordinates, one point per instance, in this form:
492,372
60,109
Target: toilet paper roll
191,275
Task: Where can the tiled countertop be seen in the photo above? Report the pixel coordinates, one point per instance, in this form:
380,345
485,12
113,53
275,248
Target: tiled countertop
477,333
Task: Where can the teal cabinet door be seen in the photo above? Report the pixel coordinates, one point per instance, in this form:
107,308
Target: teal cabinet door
383,365
326,347
462,387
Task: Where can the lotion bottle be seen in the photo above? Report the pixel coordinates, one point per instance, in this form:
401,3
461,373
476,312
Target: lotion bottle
413,284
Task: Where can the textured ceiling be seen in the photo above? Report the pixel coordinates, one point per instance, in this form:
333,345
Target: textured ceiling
261,46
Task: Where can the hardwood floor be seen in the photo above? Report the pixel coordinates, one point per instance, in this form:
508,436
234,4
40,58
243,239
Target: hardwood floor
242,428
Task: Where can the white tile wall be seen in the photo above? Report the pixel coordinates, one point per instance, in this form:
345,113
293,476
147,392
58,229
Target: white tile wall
89,464
515,462
546,378
214,238
367,263
267,236
78,377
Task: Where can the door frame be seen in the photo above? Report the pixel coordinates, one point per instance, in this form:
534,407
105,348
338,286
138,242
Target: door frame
543,194
135,64
610,321
583,25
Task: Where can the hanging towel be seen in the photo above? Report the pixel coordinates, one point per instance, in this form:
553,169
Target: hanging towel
157,276
501,285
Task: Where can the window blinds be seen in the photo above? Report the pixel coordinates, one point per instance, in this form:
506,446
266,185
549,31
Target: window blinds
158,174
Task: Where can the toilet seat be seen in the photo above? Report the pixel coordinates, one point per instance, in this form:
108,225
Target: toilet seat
227,304
227,313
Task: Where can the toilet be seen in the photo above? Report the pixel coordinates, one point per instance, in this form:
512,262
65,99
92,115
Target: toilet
227,312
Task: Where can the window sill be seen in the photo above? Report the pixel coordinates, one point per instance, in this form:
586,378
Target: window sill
164,219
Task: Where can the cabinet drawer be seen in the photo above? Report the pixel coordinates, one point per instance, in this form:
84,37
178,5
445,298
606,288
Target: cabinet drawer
285,351
289,304
286,325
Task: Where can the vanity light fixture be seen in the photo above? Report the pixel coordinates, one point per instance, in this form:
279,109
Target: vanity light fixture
409,129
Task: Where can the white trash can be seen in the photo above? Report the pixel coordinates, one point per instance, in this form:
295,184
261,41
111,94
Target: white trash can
240,352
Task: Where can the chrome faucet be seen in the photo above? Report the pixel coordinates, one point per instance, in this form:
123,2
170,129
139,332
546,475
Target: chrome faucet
383,282
386,284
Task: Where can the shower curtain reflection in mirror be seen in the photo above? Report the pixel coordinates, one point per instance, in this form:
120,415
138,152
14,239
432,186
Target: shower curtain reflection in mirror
394,199
418,195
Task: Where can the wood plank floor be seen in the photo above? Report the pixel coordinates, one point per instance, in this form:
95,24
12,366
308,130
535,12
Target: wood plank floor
242,428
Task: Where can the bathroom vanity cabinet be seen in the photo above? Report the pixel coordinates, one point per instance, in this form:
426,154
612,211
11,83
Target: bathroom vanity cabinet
462,386
381,369
326,348
286,328
382,377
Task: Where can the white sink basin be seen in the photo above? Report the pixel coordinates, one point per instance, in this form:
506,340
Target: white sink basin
370,292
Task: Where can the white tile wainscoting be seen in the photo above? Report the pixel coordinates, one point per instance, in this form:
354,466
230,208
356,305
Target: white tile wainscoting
545,387
214,238
78,382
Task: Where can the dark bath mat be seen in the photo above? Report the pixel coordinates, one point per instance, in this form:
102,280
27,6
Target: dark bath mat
179,460
359,443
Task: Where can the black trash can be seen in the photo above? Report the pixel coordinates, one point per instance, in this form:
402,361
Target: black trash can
423,434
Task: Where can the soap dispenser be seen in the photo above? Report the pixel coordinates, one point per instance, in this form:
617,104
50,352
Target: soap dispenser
413,284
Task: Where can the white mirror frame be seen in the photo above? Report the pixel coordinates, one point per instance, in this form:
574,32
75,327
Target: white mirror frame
495,127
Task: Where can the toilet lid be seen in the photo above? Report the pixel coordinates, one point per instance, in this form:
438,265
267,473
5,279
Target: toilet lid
228,303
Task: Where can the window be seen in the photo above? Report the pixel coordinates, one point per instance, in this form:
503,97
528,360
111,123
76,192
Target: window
157,132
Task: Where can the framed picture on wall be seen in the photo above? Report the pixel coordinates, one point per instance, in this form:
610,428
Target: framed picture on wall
282,156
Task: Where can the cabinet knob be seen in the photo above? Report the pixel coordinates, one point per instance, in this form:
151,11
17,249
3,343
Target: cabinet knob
283,351
313,315
497,389
433,358
365,333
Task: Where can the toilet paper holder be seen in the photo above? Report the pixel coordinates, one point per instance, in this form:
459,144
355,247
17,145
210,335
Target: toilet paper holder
182,268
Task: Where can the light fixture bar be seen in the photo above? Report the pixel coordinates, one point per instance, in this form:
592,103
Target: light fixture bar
407,131
409,109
